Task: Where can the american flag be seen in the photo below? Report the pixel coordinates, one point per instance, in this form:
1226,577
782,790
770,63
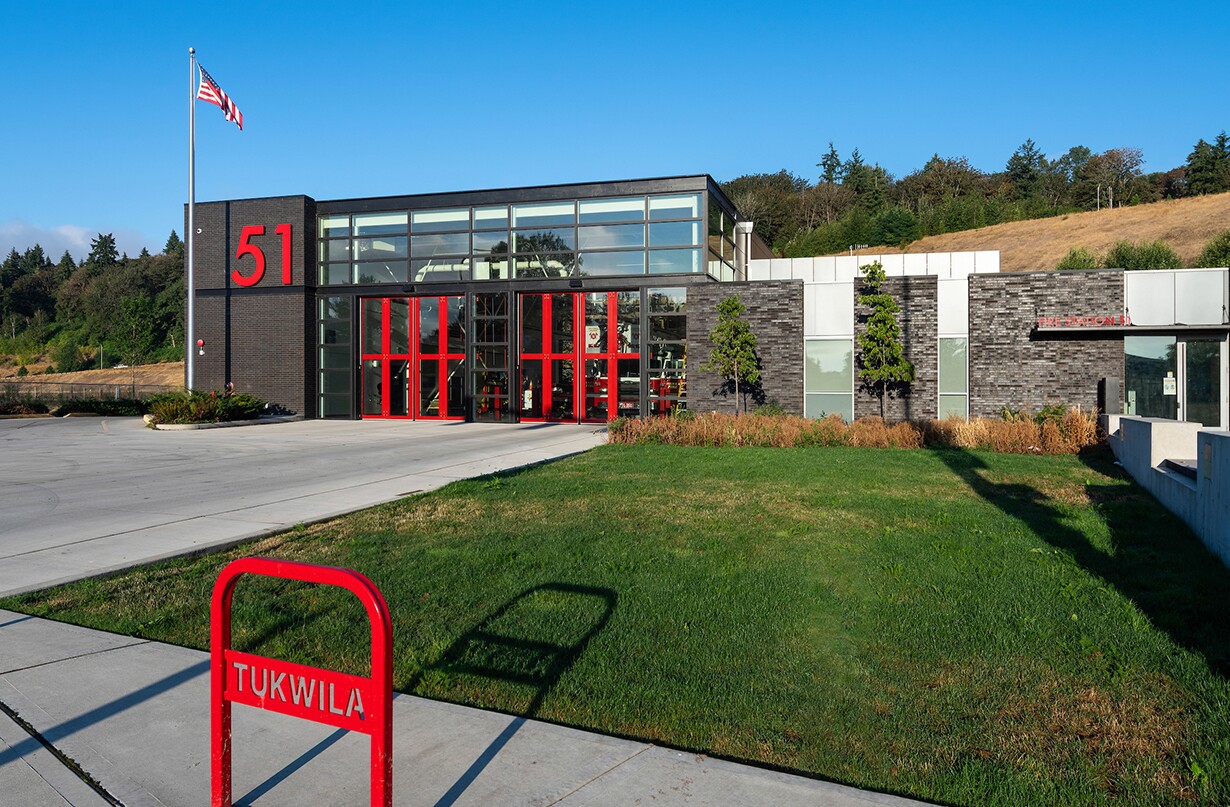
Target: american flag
211,92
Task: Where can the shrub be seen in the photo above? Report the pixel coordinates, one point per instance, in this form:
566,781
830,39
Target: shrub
17,404
1078,258
1216,252
1142,255
1057,430
113,407
22,372
195,406
67,357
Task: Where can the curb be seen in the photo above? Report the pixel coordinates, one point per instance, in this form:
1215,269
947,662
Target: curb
184,427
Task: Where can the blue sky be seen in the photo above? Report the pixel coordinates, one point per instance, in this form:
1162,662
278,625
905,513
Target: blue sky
344,100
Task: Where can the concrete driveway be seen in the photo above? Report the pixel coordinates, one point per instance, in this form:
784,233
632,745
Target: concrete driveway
82,496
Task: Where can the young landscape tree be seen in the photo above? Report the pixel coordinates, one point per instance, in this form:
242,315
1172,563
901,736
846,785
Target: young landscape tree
734,349
881,358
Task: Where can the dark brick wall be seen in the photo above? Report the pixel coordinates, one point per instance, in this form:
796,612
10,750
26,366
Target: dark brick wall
1011,365
919,320
260,338
774,309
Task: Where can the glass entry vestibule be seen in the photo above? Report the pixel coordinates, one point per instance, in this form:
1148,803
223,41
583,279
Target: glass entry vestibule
413,357
1177,377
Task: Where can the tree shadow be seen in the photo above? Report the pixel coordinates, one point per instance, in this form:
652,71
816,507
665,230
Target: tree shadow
1157,563
754,391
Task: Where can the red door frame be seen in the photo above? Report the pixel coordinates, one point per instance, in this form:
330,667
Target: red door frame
547,356
441,357
412,358
610,353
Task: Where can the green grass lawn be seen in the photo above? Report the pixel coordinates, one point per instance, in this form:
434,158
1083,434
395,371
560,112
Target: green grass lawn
957,626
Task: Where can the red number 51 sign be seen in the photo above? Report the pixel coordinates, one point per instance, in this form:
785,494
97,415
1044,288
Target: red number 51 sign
246,247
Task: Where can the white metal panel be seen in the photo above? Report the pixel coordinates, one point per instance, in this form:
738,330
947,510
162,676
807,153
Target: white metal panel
824,270
847,267
811,296
779,269
963,263
758,269
894,265
986,261
939,264
1149,297
834,310
801,269
953,302
916,263
1200,296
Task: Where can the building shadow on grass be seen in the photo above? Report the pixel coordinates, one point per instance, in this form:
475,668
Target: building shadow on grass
1157,562
529,642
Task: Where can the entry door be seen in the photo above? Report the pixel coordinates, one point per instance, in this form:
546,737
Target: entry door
386,357
1203,381
580,356
413,357
1177,378
612,353
549,324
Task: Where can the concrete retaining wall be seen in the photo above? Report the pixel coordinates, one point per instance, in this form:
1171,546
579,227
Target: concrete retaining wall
1204,503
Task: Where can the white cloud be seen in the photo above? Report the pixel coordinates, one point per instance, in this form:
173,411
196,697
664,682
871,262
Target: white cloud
17,234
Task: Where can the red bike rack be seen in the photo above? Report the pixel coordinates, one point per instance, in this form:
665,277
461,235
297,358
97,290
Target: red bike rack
325,696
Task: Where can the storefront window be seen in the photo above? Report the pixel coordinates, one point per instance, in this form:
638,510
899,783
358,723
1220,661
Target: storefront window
550,214
667,353
437,221
954,376
379,224
678,206
1150,386
335,380
828,378
601,211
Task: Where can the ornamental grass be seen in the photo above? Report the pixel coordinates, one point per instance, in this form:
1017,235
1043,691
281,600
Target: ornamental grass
1057,430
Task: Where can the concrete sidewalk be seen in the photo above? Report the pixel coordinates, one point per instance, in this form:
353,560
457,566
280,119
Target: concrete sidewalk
134,715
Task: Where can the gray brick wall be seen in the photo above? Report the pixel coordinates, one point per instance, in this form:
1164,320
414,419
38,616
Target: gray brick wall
1013,366
260,338
774,309
919,320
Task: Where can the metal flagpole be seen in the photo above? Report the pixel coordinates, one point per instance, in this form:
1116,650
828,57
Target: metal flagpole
190,325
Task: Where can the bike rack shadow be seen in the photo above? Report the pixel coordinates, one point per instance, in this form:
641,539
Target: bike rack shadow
489,650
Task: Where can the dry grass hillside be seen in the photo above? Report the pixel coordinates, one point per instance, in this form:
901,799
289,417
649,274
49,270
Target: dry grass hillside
1027,246
170,374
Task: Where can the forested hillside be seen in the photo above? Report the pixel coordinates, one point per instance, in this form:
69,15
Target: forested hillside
112,309
109,310
857,203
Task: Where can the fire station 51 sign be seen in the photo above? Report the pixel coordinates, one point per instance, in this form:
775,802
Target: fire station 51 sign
253,243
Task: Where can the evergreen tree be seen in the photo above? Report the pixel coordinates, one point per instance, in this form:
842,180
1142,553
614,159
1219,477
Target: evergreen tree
33,260
1208,167
174,246
734,348
65,268
1025,170
881,357
103,252
10,270
830,165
